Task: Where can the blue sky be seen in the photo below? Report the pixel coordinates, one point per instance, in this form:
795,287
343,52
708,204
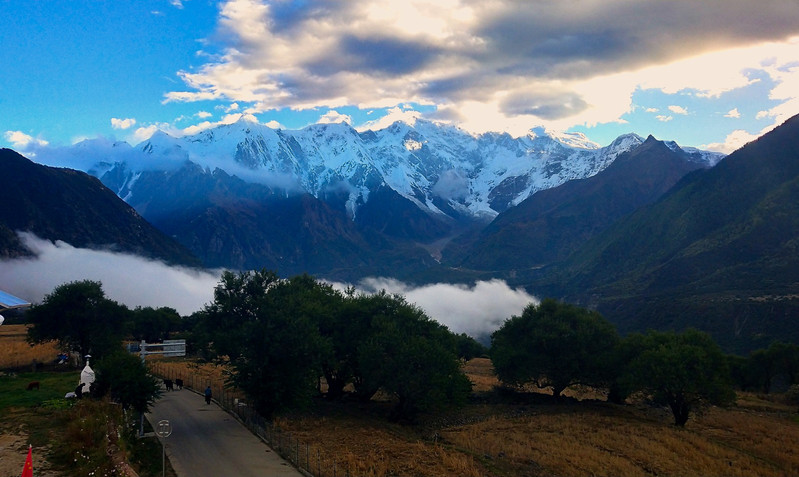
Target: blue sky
712,74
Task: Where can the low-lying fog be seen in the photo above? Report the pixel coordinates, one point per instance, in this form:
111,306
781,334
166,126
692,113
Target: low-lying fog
135,281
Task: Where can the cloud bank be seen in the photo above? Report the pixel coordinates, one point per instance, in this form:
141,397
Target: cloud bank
499,65
475,310
128,279
135,281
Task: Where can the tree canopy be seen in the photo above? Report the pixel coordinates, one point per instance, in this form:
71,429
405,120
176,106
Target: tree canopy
412,357
685,371
282,335
263,325
125,378
80,317
555,345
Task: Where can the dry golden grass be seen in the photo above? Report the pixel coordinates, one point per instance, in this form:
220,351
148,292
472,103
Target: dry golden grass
537,436
605,440
15,352
481,373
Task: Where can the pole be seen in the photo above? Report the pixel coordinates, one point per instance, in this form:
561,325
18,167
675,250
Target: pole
163,459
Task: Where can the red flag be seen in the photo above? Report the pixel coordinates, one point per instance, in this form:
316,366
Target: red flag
27,471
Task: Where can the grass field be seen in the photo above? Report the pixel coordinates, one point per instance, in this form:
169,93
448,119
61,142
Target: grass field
532,435
69,438
497,434
16,353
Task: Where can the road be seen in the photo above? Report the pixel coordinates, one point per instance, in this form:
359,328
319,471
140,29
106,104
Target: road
207,441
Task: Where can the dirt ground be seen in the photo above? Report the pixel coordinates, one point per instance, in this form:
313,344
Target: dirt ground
14,450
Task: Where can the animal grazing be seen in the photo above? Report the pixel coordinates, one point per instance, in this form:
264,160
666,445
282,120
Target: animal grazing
168,384
33,385
179,383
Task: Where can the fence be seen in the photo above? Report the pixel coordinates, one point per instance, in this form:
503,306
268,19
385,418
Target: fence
310,460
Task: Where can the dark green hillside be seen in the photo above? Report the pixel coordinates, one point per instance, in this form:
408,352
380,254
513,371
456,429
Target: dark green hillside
720,252
68,205
548,226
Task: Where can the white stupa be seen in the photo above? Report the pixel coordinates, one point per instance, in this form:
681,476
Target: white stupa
87,375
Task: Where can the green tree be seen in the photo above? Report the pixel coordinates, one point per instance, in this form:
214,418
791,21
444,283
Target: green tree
555,345
260,322
154,324
124,377
412,357
469,347
762,368
764,365
685,371
364,312
786,359
80,317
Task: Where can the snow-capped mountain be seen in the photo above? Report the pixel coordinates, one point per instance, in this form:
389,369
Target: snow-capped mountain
330,200
441,169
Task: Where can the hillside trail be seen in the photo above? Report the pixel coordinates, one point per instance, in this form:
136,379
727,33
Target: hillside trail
206,440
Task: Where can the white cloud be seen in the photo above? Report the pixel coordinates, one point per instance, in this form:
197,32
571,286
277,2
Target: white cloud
204,115
652,110
122,123
20,140
733,113
134,281
332,117
735,140
475,310
128,279
491,65
678,110
393,115
664,119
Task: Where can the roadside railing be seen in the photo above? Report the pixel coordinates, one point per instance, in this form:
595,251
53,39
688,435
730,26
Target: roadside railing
308,459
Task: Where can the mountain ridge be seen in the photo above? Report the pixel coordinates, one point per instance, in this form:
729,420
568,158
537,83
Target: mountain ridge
548,226
721,245
75,207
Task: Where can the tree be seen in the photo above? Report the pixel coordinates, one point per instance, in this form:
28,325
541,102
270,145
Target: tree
469,347
554,345
685,371
786,357
79,317
260,323
125,378
154,324
764,365
412,357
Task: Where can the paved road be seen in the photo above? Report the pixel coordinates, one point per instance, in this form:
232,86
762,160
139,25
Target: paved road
207,441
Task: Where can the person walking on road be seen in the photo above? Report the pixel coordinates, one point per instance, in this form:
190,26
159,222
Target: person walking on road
208,395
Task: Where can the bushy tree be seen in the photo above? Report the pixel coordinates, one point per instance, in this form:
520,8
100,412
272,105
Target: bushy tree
124,377
555,345
262,324
685,371
469,347
786,359
762,366
154,324
412,357
282,335
80,317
